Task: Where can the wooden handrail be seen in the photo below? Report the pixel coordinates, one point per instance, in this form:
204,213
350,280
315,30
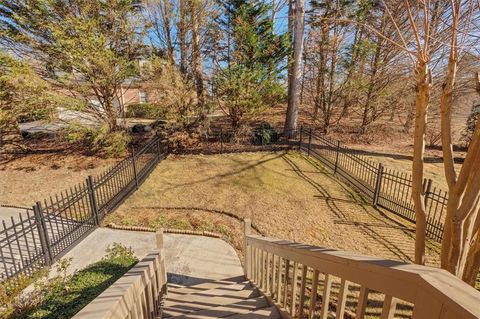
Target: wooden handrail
139,293
435,293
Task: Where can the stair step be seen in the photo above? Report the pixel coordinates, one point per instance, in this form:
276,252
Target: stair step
205,287
212,284
200,301
240,307
265,313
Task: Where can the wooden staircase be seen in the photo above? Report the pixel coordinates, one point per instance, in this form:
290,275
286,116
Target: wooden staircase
233,299
287,279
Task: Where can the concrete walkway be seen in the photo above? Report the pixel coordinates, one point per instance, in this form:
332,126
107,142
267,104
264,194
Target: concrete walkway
6,214
190,259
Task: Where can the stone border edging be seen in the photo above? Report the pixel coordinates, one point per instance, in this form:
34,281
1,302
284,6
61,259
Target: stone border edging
166,230
206,210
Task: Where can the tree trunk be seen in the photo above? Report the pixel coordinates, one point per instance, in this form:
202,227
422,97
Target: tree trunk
168,31
196,55
296,71
182,36
473,263
421,103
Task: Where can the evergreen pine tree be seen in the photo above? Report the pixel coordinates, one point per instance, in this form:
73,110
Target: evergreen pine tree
250,78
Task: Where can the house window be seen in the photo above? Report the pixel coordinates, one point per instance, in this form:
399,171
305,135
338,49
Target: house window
143,97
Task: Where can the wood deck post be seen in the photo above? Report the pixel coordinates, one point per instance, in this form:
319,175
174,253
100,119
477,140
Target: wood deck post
247,230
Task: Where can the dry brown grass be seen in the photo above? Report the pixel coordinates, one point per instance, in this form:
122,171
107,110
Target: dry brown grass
285,195
34,177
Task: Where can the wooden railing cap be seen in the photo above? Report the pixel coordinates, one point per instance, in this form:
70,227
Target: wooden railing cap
399,279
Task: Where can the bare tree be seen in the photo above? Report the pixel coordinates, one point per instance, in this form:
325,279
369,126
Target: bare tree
460,245
160,17
182,35
196,17
297,8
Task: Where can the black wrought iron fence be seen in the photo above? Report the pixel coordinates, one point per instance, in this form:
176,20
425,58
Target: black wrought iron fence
41,235
386,188
270,135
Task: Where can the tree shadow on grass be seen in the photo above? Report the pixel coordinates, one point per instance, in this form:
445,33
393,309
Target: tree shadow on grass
378,229
242,166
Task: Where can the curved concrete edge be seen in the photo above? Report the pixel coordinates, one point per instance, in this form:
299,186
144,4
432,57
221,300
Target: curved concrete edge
190,259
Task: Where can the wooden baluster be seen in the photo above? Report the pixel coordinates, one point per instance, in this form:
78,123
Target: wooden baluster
247,230
389,307
274,266
302,291
268,284
326,296
285,290
264,267
251,266
313,295
257,251
362,302
279,280
262,270
259,270
294,288
342,299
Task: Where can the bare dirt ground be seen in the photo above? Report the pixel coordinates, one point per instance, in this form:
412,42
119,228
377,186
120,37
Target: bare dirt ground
402,162
284,194
27,179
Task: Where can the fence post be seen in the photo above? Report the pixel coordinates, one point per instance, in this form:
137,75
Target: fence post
134,163
309,140
42,232
378,184
428,190
300,139
159,148
93,199
162,269
247,230
221,138
336,157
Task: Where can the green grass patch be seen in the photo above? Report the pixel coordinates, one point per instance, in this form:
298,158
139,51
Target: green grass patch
64,296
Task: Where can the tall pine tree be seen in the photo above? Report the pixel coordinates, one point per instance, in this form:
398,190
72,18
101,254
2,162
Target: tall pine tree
250,77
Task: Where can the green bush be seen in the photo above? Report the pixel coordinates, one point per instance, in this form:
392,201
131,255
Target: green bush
265,134
100,140
147,111
64,295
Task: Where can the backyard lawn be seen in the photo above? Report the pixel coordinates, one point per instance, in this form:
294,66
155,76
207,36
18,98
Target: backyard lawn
285,194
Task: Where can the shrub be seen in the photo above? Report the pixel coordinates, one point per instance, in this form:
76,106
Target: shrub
35,115
117,250
100,140
146,110
182,140
265,134
11,289
244,93
65,295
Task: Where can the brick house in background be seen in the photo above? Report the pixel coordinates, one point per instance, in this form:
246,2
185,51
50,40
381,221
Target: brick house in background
132,91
